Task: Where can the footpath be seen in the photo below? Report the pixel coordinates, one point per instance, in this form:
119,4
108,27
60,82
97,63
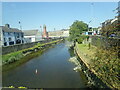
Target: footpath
86,54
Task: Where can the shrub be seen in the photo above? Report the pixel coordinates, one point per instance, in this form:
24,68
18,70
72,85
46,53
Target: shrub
81,38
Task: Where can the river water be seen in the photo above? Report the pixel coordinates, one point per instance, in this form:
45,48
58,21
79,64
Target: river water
49,70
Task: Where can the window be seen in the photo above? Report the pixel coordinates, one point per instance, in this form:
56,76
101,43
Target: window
5,44
10,39
18,35
22,35
8,33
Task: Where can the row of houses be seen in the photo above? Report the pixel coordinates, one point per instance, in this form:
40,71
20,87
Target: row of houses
12,36
108,27
112,26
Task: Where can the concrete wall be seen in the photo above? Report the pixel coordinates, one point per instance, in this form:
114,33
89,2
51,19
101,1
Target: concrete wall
14,48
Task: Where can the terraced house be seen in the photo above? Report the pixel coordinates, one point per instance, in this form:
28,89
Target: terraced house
11,36
32,35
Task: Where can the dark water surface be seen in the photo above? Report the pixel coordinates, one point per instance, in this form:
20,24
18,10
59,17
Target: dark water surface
53,71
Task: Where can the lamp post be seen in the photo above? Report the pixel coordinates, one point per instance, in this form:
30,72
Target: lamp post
88,24
20,25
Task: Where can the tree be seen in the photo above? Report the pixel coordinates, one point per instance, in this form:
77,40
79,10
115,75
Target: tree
77,28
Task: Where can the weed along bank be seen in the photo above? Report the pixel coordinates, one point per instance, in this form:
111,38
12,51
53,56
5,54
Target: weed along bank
100,64
51,69
21,53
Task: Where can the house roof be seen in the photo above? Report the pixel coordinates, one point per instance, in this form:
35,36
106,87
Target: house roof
30,32
6,29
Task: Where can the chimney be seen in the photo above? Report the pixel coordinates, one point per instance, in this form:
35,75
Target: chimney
45,32
7,25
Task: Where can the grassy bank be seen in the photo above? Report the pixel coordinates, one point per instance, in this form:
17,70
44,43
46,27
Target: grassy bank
104,63
15,59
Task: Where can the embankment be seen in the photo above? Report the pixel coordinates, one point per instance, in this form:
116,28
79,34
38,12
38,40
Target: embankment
14,59
17,47
100,66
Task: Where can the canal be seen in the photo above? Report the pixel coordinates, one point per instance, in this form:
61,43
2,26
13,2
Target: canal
52,69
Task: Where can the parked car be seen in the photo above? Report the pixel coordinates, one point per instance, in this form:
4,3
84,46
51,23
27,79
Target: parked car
112,35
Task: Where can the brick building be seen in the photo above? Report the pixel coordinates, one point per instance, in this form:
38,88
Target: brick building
45,33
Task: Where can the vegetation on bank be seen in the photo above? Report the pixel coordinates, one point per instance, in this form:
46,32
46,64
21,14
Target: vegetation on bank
81,38
105,63
103,58
16,58
76,29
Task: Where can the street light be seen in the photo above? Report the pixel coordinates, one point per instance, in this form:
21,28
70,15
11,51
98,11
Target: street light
20,25
88,24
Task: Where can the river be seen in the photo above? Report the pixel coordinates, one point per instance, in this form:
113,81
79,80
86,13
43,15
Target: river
49,70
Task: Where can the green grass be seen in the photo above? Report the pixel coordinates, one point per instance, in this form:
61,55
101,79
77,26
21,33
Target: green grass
18,58
22,60
14,54
7,56
86,52
105,63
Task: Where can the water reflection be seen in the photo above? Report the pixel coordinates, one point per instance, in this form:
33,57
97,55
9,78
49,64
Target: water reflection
53,71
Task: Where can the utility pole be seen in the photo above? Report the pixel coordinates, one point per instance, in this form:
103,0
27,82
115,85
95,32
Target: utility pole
92,14
88,24
20,25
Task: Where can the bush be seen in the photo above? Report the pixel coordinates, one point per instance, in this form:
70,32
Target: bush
107,63
81,38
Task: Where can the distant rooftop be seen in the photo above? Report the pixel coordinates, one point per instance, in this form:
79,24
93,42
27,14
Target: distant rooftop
7,28
30,32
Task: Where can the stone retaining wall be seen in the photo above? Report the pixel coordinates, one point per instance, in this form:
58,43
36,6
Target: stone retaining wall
14,48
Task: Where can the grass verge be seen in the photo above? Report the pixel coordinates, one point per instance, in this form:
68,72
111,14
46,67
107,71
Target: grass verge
104,63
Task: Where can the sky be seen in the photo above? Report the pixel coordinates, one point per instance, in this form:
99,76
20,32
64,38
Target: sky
58,15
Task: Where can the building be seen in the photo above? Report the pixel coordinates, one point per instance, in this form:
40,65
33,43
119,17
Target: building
109,27
89,33
65,32
32,35
11,36
99,30
45,33
59,33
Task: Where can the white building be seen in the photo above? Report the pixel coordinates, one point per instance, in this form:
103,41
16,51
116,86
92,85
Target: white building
32,35
11,36
59,33
89,33
66,33
99,30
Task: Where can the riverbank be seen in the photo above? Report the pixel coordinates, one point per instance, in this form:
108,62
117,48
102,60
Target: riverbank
15,59
103,63
53,71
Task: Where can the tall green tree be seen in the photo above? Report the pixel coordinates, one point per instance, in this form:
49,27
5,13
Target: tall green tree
77,28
